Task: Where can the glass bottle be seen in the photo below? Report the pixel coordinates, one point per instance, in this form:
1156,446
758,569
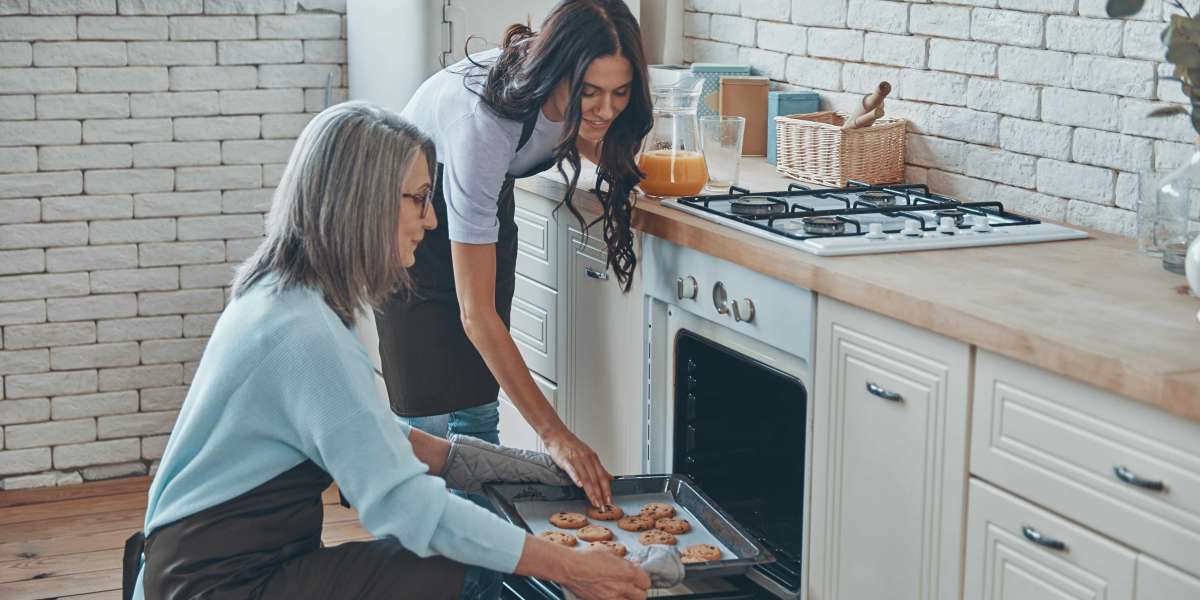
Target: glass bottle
671,156
1171,224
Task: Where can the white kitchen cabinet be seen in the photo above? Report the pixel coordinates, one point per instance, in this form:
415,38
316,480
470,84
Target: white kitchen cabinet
604,357
1017,551
1156,581
890,413
1119,467
515,432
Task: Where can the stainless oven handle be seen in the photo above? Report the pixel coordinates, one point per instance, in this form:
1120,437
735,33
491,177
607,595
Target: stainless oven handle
885,394
1128,477
594,274
1039,538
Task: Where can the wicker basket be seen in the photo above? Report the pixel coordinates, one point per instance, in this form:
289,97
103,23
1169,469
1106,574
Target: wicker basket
814,148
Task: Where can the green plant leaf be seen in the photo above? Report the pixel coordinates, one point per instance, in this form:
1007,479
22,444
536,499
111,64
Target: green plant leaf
1123,8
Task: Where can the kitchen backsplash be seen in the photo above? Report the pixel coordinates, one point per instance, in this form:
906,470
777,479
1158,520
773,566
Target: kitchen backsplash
140,143
1040,104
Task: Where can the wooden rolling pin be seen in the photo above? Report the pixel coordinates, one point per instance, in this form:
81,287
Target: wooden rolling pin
870,109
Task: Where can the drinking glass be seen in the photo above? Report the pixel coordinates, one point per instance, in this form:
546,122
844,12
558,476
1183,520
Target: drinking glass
721,142
1174,202
1147,212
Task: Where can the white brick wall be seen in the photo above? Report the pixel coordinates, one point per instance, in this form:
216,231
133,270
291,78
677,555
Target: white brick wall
1041,104
140,141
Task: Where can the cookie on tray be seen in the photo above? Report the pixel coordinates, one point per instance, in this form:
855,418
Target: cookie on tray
558,537
701,553
608,513
673,525
568,520
658,510
614,548
635,523
656,536
595,533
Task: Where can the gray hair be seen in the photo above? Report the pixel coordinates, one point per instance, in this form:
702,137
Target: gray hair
333,220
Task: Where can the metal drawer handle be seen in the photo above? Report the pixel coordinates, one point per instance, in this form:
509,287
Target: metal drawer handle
1128,477
885,394
594,274
1036,537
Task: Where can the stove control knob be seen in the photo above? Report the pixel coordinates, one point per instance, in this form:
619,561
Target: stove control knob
875,232
686,288
948,226
743,310
981,224
912,228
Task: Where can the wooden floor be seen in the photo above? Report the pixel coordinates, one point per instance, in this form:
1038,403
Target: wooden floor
66,542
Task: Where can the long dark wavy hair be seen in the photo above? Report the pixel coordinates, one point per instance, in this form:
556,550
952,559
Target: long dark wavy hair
531,65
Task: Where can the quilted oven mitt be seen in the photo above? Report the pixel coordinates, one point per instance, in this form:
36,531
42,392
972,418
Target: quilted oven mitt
473,462
661,563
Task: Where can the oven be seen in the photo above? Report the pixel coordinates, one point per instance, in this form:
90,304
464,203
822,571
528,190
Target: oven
729,366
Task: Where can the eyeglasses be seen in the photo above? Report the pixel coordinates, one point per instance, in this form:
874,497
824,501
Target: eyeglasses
423,198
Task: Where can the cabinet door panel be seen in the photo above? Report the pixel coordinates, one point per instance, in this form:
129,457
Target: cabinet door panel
514,430
1003,563
890,419
604,358
1157,581
537,239
533,321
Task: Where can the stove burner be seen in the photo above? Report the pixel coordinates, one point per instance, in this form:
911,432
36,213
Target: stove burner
824,225
878,198
957,214
754,206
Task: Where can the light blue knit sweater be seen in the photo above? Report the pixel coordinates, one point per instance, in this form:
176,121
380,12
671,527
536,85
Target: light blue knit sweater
283,381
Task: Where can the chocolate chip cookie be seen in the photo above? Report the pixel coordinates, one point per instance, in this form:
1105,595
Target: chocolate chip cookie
701,553
658,510
568,520
608,513
635,523
655,536
558,537
614,548
595,533
673,525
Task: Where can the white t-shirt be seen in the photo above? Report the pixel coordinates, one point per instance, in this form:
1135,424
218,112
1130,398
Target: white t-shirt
477,147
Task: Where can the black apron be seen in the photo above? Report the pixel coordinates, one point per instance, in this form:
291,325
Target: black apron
266,544
429,364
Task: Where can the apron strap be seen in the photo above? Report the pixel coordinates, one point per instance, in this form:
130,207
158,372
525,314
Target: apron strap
131,563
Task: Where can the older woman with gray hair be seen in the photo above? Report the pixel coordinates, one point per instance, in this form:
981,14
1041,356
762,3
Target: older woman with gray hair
284,403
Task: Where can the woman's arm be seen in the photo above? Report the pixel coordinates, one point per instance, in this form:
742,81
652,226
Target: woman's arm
475,280
587,574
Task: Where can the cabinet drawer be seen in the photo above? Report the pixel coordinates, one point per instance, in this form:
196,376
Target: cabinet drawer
1060,443
533,323
536,239
1004,563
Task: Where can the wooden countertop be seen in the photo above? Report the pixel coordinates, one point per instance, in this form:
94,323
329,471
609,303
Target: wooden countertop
1095,310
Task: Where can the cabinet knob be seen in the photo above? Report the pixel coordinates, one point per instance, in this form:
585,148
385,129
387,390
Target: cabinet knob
743,310
720,298
594,274
686,288
1041,539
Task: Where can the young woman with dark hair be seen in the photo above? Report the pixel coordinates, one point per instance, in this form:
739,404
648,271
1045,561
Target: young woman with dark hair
575,88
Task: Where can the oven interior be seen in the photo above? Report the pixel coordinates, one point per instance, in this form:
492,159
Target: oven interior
740,430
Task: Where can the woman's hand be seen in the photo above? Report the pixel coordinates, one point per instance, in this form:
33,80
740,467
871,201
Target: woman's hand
582,464
596,575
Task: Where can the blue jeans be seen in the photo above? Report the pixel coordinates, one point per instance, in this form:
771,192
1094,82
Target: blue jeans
481,422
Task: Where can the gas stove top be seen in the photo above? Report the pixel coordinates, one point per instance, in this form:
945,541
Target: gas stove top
864,219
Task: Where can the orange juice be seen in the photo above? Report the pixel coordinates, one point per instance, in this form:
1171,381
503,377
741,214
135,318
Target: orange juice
673,173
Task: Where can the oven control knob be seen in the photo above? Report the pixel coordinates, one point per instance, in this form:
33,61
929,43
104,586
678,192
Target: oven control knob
875,232
686,288
981,224
912,228
720,298
743,310
948,226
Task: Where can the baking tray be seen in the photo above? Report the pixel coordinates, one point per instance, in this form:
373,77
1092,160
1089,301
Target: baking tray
529,505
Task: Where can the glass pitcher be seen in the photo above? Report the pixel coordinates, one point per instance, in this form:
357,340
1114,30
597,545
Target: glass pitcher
671,157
